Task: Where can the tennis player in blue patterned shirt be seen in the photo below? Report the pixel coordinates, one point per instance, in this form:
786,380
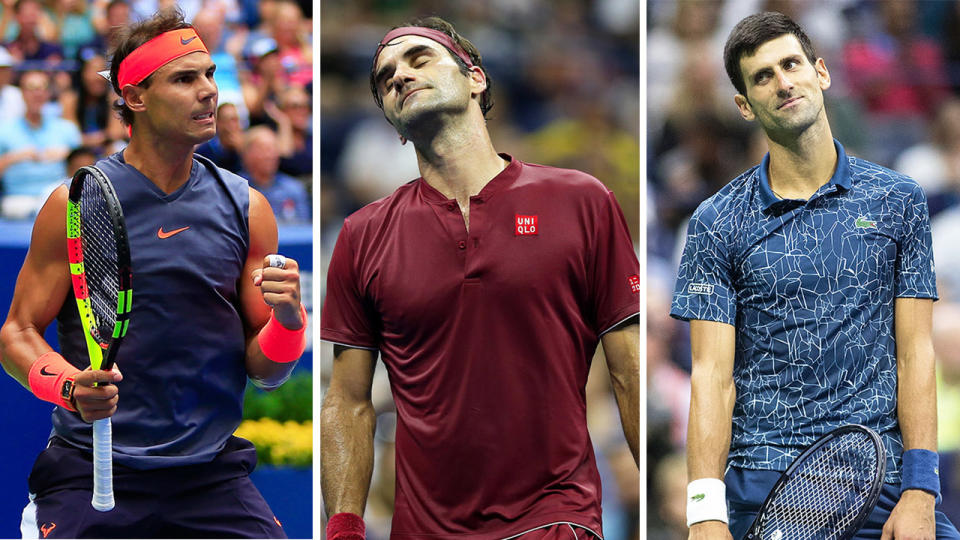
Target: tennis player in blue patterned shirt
808,282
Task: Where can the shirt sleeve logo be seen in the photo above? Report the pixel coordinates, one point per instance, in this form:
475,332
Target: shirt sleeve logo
634,281
525,225
700,288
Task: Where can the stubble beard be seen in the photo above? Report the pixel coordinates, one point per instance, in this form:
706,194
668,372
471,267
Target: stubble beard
424,117
794,126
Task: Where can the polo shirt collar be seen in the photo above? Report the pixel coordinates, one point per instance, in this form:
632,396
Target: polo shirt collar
839,180
506,177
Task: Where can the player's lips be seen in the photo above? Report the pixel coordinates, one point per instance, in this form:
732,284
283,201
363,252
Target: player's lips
789,102
410,93
207,117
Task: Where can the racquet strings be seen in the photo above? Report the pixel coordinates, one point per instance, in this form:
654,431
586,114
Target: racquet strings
826,493
99,259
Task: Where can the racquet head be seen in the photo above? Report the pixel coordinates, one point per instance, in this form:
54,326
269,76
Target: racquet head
828,491
99,256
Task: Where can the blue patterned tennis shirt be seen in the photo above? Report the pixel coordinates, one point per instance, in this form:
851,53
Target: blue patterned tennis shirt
810,287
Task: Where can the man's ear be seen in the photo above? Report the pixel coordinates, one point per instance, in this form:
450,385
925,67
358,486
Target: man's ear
743,104
478,81
823,75
133,97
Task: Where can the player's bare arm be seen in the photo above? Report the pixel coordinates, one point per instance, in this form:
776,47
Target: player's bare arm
621,346
913,517
41,289
711,410
347,424
267,288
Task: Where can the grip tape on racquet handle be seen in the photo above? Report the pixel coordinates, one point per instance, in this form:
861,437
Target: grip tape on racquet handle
102,465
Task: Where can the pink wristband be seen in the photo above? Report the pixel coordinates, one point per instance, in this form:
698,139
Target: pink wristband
51,379
280,344
345,526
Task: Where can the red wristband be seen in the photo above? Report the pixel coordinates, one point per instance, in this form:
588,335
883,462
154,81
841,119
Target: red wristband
280,344
51,379
345,526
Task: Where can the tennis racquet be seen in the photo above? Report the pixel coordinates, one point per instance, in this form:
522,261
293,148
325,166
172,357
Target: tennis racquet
828,491
99,256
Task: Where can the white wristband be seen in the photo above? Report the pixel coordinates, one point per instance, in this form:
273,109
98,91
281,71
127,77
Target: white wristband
706,501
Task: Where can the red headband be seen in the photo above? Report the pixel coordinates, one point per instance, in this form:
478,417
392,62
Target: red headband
154,54
429,33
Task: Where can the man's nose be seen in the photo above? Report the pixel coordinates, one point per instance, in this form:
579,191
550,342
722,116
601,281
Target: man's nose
784,82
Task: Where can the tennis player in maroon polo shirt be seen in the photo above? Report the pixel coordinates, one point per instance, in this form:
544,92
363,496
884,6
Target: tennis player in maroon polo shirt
485,285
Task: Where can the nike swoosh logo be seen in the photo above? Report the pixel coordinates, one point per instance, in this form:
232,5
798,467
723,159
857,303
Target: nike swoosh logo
43,371
186,41
163,235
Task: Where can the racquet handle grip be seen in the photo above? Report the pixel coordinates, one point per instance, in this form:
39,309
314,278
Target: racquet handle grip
102,465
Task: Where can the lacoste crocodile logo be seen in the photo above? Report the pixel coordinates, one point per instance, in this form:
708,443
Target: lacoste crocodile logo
698,497
864,223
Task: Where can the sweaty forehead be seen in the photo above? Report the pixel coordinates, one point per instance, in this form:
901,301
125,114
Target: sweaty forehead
401,44
771,52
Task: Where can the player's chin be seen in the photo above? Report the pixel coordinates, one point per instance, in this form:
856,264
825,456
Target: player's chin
200,136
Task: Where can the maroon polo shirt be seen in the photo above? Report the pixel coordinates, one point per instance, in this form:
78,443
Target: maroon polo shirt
487,337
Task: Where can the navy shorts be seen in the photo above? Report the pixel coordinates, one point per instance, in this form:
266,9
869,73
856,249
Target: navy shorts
747,489
210,500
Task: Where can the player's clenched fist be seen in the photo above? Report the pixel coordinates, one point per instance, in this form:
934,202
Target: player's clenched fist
93,394
279,282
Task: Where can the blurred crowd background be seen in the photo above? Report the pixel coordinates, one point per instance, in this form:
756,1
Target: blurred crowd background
894,100
55,110
565,85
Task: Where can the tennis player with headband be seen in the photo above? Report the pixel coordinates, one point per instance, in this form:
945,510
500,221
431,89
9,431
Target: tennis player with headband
213,305
485,286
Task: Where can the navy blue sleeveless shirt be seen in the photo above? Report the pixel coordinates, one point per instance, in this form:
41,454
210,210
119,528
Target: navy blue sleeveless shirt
183,356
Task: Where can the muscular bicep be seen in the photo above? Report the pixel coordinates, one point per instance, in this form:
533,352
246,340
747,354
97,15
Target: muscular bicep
352,377
263,241
42,286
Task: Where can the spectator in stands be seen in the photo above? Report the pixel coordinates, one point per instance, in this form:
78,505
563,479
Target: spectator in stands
899,76
30,45
33,149
294,106
81,156
286,195
11,99
73,25
265,81
114,17
87,103
224,148
935,164
293,43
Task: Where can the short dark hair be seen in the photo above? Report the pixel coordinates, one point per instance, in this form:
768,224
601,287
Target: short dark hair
436,23
129,39
81,151
752,32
